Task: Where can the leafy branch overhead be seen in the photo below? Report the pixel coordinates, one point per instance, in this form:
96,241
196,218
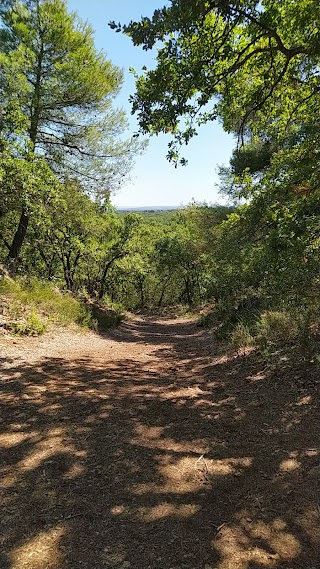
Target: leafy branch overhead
237,60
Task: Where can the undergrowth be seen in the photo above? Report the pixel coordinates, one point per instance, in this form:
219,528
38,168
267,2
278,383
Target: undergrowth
267,330
31,325
174,311
29,306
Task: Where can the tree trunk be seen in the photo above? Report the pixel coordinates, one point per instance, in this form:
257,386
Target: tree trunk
68,271
188,292
21,231
141,290
162,292
106,270
17,242
103,279
48,262
141,295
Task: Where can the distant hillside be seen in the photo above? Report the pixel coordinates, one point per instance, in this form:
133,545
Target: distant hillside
150,208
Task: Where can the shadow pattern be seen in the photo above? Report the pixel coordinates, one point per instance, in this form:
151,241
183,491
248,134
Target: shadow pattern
195,459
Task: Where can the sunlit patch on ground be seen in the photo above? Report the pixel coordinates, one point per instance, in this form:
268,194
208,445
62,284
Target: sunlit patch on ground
40,551
237,549
164,510
115,557
189,474
306,400
257,376
152,449
309,521
154,437
11,439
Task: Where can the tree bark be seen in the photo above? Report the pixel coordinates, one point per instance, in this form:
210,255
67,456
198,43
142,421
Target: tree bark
106,270
162,292
141,290
15,247
19,237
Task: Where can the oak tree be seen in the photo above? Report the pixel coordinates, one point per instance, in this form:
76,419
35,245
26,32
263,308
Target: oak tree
245,61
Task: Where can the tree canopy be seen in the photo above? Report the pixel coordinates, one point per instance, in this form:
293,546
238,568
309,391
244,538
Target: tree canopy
56,93
244,61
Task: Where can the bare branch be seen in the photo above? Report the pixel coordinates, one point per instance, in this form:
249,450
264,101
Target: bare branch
64,144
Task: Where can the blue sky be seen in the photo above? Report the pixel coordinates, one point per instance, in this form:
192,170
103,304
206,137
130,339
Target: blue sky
153,180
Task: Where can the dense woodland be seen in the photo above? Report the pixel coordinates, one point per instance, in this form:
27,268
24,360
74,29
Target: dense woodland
252,65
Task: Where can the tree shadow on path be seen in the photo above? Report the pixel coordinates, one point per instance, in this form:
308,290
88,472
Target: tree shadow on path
193,459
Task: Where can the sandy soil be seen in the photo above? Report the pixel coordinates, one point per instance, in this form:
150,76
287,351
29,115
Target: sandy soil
154,448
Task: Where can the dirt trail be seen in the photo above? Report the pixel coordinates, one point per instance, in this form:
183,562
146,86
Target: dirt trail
153,448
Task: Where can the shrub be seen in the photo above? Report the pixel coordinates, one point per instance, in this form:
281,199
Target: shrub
241,336
101,319
27,300
275,327
32,325
208,320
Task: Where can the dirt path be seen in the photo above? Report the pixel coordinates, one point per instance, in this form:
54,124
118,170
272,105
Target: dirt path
153,449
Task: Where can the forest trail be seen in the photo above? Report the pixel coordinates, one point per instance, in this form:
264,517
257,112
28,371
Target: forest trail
154,448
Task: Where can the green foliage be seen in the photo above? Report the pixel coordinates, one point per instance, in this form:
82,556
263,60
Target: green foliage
31,305
256,64
275,328
32,325
229,59
102,319
241,336
44,298
65,85
170,259
57,119
253,157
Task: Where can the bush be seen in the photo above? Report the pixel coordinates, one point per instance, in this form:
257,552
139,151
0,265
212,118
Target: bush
208,319
275,328
31,326
112,305
100,318
27,301
241,336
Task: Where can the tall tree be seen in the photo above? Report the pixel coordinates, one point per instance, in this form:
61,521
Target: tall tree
56,95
